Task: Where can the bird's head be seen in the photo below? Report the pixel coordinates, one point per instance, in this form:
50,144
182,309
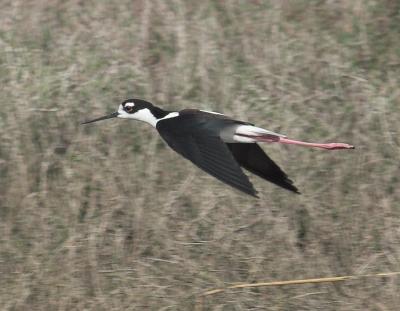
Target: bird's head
135,109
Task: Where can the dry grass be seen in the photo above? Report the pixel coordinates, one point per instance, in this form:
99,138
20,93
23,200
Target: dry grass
104,217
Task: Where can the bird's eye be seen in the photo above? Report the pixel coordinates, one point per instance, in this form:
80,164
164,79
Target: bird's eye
128,109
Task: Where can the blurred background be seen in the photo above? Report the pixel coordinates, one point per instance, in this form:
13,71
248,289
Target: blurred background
106,217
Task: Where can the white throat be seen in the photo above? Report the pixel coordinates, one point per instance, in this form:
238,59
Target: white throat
145,115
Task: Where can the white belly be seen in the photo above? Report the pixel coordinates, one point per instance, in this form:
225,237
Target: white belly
233,134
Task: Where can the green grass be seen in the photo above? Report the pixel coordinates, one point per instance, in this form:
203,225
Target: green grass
106,217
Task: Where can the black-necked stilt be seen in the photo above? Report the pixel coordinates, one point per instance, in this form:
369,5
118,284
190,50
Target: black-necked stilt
215,143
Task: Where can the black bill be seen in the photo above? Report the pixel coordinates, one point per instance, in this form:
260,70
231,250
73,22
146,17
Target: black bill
113,115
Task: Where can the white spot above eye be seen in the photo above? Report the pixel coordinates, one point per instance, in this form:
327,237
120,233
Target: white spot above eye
130,104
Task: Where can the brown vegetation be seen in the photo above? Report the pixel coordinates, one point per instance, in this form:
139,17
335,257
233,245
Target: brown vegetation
105,217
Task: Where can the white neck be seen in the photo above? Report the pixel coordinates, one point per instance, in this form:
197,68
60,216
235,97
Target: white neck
145,115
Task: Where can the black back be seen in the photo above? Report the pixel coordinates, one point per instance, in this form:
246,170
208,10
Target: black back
195,136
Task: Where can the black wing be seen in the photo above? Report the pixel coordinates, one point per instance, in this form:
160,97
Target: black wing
196,140
254,159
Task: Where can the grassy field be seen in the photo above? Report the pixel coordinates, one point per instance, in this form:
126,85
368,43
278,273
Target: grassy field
105,217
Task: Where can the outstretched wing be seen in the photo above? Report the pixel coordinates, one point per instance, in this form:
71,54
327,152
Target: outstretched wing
206,150
256,161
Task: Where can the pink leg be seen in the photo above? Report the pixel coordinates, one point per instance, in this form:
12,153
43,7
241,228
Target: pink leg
282,140
330,146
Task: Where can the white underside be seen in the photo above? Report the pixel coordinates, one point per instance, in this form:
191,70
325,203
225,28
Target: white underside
233,134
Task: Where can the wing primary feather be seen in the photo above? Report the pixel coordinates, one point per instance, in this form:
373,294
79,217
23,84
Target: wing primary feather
231,180
197,139
255,160
226,170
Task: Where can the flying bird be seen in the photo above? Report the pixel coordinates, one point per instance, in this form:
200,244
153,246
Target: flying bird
217,144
